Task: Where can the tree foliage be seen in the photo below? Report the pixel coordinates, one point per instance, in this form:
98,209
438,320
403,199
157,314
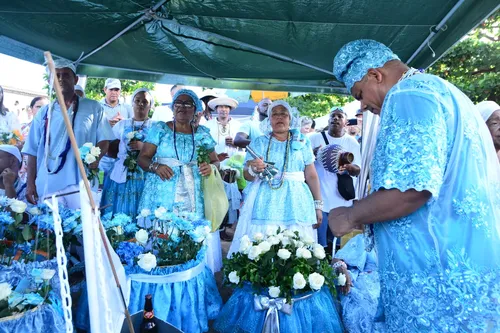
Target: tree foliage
317,105
473,64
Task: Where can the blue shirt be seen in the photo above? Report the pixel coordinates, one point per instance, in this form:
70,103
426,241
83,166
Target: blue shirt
439,266
90,126
111,112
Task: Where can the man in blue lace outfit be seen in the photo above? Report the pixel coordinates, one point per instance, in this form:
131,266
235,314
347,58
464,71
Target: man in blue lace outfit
435,196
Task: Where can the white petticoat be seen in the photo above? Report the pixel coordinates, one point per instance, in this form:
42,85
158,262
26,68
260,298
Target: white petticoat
214,252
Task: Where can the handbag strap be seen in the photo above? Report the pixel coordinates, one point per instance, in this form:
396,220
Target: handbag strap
325,138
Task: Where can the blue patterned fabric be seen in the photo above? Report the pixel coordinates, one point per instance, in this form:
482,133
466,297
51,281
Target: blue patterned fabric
190,93
161,193
440,266
292,194
360,305
17,271
124,197
42,319
355,58
316,314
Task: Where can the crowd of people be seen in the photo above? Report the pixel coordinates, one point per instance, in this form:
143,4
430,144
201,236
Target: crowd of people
432,213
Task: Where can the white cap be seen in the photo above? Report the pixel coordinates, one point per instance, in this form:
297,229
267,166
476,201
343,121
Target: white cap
13,150
113,84
486,108
214,103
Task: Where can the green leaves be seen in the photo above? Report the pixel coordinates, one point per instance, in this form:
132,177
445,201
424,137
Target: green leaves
317,105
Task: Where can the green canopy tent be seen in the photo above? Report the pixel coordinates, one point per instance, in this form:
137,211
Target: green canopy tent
284,45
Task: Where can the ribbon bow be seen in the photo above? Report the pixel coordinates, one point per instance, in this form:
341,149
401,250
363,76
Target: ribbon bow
272,305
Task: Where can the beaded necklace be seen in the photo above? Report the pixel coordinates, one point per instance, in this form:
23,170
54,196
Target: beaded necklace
287,153
222,132
410,72
175,143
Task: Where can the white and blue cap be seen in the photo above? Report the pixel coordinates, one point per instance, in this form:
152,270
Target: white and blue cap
113,84
190,93
13,150
64,63
355,58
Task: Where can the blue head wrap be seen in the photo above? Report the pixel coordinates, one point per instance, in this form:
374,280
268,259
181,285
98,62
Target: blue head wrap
192,94
146,90
355,58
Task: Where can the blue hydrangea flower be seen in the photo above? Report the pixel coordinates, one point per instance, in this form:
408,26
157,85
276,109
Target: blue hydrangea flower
127,251
6,219
33,299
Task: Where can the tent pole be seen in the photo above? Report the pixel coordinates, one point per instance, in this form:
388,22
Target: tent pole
435,30
148,13
249,46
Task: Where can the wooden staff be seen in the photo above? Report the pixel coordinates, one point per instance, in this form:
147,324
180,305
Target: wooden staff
76,152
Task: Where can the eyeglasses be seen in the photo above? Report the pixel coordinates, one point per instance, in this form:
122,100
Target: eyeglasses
180,104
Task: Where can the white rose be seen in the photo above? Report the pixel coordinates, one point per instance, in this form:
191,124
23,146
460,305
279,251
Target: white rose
298,281
274,292
303,253
145,212
88,144
142,236
316,281
289,233
245,244
271,230
264,246
286,241
284,254
254,253
160,212
18,206
96,151
147,261
5,290
273,240
89,159
234,278
319,251
341,279
34,211
48,274
130,135
258,236
307,239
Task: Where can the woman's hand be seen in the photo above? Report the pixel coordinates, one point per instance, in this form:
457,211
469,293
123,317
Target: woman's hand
205,169
319,218
348,283
164,172
257,165
136,145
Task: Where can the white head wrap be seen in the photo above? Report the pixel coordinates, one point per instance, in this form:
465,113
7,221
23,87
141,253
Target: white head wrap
487,108
13,150
294,113
146,90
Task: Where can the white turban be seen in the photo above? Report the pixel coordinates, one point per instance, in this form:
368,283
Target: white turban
13,150
487,108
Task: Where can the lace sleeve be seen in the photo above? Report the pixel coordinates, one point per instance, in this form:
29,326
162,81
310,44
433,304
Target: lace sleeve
412,143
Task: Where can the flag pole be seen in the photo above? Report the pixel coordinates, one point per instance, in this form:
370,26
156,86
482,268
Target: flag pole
76,152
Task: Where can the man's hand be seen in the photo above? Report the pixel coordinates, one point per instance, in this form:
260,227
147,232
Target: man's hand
94,165
351,169
222,156
229,141
31,194
9,177
340,221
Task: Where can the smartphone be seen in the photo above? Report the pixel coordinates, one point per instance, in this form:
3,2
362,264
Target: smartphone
352,122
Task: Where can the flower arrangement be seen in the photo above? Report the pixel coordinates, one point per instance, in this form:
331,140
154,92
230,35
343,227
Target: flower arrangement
130,162
30,292
11,138
204,147
170,239
280,264
90,154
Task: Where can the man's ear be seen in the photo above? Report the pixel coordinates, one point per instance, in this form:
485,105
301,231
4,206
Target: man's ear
375,73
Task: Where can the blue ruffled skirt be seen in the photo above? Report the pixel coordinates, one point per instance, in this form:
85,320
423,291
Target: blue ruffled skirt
43,319
123,198
315,314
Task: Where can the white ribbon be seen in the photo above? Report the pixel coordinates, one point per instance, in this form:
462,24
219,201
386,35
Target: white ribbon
169,278
273,306
185,188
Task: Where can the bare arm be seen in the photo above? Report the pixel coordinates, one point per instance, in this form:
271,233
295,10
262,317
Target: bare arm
241,140
312,181
352,169
146,155
381,206
104,146
31,194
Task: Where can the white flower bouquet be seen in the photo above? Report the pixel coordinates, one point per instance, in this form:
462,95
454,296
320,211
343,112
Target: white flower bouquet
90,154
280,264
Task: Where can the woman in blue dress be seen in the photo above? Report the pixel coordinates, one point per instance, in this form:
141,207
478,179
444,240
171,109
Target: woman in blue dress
170,154
292,199
123,189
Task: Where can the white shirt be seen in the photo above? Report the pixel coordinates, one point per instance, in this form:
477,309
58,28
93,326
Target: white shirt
328,181
163,113
111,112
9,122
219,135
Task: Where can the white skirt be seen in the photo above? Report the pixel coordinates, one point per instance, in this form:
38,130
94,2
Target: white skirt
213,259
